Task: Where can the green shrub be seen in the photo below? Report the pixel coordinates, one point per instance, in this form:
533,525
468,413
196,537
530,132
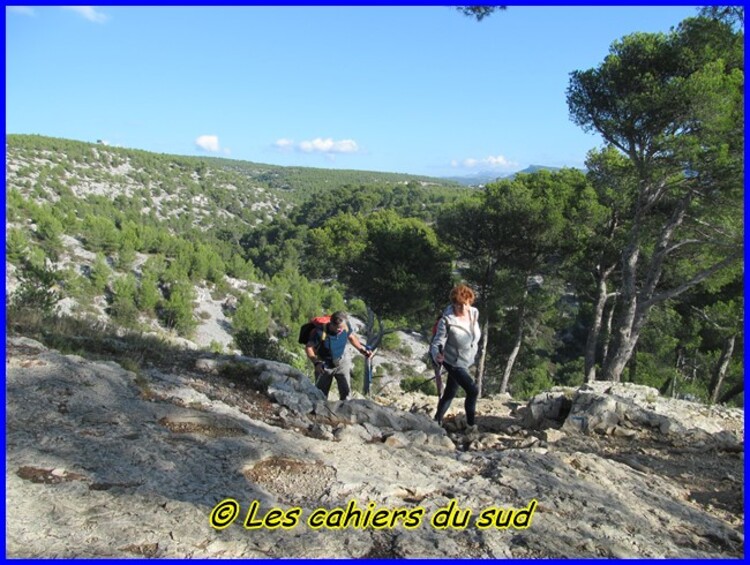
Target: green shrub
358,308
571,373
419,384
37,290
16,245
529,382
390,342
148,295
250,316
259,345
176,311
123,308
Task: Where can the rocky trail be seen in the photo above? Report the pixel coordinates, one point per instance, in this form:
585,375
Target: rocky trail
237,457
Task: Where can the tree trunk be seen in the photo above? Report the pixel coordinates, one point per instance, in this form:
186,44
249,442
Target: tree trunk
638,302
625,337
679,363
485,292
721,369
608,333
373,329
516,345
479,375
589,362
633,365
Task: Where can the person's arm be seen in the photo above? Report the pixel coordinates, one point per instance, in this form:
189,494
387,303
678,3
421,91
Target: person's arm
354,340
438,341
310,351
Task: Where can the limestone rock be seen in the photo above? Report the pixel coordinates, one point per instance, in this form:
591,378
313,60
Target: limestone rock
104,462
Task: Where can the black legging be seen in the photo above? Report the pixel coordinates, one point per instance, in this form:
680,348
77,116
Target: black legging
458,376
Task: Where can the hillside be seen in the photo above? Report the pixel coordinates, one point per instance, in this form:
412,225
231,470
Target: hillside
138,222
188,457
306,179
129,169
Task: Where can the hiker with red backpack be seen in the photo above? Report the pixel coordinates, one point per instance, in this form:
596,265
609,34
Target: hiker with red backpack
325,349
455,346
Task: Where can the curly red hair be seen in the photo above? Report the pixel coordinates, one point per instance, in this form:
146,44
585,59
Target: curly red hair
462,294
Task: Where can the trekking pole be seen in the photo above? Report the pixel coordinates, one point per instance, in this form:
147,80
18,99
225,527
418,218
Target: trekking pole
438,375
368,371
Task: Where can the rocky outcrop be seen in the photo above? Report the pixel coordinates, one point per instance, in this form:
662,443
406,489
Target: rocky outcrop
629,410
104,462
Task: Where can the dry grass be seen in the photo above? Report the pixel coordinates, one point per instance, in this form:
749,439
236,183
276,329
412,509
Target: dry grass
97,341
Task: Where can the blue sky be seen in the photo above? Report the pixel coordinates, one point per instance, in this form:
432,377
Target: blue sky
422,90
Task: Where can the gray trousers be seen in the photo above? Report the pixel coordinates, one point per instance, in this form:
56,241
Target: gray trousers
340,373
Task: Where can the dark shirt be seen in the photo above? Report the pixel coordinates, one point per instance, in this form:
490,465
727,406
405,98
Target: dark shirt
335,344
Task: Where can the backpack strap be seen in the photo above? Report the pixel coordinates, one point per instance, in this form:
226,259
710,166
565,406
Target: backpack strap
323,336
447,326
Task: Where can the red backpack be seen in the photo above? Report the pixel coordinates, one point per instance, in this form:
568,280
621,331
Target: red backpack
305,332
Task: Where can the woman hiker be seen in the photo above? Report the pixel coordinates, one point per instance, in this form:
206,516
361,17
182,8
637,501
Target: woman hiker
455,346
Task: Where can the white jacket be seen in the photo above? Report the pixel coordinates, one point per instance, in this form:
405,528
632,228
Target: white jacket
459,340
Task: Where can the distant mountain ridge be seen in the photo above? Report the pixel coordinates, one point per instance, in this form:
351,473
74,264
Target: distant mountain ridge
484,177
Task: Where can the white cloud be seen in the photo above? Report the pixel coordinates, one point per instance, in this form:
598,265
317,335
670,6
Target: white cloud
21,10
208,143
328,145
498,162
284,144
88,12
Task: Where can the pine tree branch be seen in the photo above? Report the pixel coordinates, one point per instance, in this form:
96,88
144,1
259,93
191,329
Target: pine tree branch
697,279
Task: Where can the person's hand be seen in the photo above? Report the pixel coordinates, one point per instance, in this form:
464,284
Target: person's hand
366,352
439,358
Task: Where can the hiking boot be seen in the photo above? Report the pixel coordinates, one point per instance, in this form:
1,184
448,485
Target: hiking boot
473,429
